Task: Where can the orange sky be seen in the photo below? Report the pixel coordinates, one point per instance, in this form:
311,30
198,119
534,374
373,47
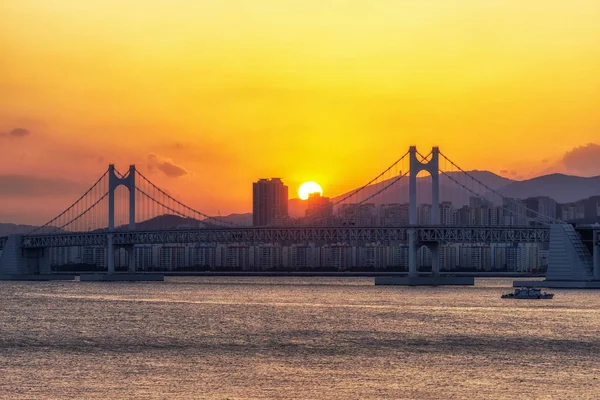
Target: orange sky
331,91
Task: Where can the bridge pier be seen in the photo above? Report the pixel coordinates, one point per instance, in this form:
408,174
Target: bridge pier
412,253
434,248
22,264
596,255
44,265
131,259
111,253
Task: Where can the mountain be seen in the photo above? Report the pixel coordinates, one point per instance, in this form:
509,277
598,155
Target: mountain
449,189
169,221
238,219
14,229
160,222
562,188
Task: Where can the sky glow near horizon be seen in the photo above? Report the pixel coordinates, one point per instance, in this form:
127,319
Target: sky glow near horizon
216,94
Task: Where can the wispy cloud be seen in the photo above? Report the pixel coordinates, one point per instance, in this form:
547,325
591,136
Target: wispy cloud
29,185
166,166
16,133
583,160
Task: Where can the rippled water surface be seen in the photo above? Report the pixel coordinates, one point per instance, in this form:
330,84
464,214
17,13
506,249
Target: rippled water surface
292,338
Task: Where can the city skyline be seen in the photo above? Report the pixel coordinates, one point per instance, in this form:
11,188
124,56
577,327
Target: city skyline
573,186
196,92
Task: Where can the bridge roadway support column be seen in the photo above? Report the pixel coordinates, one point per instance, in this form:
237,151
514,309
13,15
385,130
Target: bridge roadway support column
596,255
44,262
131,259
111,253
434,248
412,252
19,264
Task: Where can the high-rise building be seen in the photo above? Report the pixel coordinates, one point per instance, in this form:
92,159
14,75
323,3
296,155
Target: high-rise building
393,214
237,257
172,257
541,208
515,212
202,255
479,202
269,202
318,205
268,256
424,214
447,213
144,258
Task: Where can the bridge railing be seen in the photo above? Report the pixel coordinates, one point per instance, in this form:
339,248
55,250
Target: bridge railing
342,234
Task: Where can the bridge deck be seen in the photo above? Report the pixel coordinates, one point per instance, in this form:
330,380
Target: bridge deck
425,234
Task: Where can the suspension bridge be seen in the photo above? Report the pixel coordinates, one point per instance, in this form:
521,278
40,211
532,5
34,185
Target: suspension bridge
124,211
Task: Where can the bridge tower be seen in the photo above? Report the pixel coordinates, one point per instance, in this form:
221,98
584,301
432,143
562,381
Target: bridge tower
114,181
416,166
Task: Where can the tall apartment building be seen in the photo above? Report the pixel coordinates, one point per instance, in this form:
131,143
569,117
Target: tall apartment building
237,257
269,202
94,256
393,214
144,258
541,206
361,215
424,214
515,212
172,257
202,255
318,205
268,256
447,213
339,256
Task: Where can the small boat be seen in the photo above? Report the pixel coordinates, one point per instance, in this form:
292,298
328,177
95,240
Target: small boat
528,293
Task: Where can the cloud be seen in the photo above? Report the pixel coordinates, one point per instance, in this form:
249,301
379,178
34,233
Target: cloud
30,185
19,132
583,159
166,166
16,133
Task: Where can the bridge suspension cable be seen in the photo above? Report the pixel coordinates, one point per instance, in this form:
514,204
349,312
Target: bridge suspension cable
183,206
166,207
353,193
541,218
80,201
75,219
350,211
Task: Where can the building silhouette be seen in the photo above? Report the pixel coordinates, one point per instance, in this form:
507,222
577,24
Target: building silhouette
269,202
318,205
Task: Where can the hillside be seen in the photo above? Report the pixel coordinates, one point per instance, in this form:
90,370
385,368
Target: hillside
562,188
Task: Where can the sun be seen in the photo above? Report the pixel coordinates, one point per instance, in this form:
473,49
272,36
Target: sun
307,188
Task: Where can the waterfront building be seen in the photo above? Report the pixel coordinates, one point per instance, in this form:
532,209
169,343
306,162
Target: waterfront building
269,202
